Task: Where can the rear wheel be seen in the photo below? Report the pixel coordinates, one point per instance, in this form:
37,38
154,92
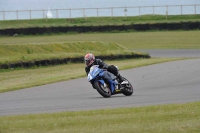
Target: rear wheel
127,88
104,91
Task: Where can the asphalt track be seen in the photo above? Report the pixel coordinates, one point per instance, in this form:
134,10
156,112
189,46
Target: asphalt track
165,83
190,53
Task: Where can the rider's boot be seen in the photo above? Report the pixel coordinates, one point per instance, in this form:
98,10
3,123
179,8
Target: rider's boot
120,78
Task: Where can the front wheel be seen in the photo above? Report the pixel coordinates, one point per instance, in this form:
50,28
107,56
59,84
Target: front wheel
103,90
127,88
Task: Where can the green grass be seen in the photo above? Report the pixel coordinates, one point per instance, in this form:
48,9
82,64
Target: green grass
132,41
97,21
180,118
10,53
14,79
28,48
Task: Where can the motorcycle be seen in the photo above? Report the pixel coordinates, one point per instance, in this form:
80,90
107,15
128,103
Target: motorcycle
95,78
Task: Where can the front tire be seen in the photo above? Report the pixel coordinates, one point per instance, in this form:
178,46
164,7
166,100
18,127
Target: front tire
104,91
128,89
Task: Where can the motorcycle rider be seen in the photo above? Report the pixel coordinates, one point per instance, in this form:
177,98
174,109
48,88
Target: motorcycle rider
90,61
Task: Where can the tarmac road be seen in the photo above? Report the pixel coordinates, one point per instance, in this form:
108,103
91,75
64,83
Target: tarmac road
190,53
171,82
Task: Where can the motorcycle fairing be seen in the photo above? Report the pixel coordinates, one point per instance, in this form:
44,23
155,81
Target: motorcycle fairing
94,71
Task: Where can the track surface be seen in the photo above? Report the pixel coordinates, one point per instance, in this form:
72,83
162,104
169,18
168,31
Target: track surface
174,53
172,82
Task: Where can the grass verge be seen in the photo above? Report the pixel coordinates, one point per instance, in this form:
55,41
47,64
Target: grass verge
180,118
10,53
13,79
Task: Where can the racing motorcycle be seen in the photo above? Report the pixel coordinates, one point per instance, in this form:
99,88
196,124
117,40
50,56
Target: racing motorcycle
95,78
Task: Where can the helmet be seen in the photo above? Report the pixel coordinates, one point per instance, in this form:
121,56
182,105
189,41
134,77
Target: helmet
89,59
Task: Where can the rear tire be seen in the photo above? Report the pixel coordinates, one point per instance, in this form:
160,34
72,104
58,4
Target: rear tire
127,91
104,91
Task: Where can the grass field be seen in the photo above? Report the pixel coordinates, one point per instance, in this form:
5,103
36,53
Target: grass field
98,21
179,118
132,41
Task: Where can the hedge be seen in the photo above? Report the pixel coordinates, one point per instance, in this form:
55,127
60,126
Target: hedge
101,28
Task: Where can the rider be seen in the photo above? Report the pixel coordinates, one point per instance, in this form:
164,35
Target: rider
90,61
